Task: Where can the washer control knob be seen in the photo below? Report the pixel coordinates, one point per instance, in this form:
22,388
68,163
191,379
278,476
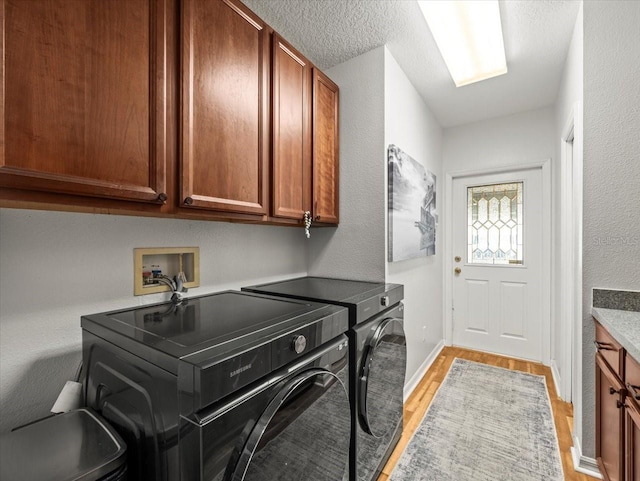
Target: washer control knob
384,301
299,343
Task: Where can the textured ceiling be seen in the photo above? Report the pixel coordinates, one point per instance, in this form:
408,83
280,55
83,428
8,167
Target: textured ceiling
537,34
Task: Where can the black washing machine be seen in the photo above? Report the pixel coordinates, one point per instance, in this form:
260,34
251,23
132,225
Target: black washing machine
228,387
378,357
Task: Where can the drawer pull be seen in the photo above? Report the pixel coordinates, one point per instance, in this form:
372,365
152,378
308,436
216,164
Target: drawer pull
634,391
603,346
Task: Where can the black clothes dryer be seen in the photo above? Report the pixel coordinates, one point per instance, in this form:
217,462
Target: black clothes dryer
228,387
377,361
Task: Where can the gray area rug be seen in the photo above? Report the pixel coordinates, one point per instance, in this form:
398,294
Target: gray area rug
484,424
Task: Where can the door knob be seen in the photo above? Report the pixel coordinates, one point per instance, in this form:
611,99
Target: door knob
457,270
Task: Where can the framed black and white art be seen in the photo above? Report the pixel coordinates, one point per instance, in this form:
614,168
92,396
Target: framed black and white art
412,207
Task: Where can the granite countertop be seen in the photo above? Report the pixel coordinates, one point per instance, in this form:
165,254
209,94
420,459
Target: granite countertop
624,326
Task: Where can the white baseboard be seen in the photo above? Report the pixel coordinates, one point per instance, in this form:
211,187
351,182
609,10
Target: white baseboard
555,374
410,386
583,464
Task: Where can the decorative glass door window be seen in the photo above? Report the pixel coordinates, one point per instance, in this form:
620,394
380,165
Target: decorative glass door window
495,224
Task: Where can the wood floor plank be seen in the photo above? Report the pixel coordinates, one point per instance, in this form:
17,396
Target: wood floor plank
418,402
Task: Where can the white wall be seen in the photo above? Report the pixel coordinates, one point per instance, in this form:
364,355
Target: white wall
514,139
611,229
410,125
58,266
355,250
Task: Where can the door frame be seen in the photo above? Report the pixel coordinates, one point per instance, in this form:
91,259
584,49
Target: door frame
570,258
545,166
571,183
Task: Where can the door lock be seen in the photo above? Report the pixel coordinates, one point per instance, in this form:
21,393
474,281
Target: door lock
457,258
457,270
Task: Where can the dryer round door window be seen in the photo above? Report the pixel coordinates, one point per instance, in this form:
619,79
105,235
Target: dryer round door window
302,434
382,379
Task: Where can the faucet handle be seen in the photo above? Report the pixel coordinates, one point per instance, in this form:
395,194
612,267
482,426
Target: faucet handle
180,280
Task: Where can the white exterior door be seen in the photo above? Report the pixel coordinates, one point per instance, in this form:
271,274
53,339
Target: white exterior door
497,248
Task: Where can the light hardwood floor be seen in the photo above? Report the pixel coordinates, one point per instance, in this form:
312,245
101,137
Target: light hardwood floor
419,401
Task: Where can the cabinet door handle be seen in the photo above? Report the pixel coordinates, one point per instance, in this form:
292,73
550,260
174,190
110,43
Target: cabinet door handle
622,391
603,346
620,404
634,391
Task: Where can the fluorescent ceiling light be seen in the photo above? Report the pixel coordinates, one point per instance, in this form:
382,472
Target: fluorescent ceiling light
469,36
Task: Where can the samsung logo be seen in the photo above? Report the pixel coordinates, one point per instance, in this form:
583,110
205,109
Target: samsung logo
240,370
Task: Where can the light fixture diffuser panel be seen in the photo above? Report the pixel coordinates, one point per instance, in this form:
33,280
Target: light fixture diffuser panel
469,36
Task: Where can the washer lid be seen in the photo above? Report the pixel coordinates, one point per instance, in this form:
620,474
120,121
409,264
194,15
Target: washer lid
77,445
324,289
218,334
364,299
219,316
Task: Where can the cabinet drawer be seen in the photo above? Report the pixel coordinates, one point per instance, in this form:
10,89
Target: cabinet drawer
610,350
632,377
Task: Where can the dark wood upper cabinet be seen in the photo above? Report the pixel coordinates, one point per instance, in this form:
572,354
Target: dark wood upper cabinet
189,108
83,98
325,149
225,108
291,157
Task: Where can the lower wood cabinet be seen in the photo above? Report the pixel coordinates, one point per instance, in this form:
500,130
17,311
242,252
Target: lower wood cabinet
617,410
632,418
632,427
610,395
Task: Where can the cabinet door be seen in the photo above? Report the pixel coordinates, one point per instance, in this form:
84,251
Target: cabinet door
83,99
610,395
291,131
325,149
633,442
225,107
632,378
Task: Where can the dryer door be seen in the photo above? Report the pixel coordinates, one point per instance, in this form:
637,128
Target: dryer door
381,381
302,434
